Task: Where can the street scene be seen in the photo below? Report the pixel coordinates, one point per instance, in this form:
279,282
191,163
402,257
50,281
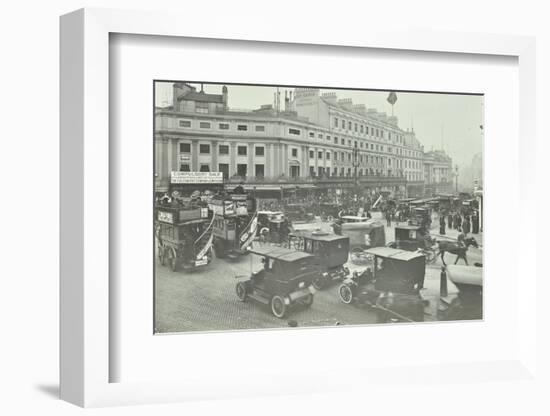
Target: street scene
311,211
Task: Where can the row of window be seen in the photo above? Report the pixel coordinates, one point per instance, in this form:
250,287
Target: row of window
221,126
223,149
260,151
298,132
259,170
242,169
367,130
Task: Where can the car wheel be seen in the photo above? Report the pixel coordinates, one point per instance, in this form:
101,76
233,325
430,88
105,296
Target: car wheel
278,307
346,294
307,301
318,283
241,291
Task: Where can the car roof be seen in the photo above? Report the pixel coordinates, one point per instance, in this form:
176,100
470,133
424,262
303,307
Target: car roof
393,253
280,253
270,212
407,227
362,225
321,236
355,217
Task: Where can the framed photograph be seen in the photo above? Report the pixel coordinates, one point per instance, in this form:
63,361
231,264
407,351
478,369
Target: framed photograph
281,213
313,198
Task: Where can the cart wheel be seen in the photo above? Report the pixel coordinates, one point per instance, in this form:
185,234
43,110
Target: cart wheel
241,291
307,301
278,307
318,283
346,294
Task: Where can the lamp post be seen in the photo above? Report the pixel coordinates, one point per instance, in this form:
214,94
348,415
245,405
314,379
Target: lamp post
355,175
456,179
355,165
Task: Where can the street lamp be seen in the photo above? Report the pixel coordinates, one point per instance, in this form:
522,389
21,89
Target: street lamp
355,166
456,179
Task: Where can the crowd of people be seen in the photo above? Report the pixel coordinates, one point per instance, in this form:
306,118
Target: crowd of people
463,222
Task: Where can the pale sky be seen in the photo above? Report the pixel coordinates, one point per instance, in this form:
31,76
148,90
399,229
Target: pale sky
450,121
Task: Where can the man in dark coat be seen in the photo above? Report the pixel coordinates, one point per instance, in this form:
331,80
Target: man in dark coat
466,226
458,221
442,225
475,223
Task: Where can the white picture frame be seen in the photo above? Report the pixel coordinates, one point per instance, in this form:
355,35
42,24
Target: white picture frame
85,210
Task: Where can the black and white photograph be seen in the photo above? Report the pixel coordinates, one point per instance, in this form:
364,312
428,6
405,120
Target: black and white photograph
291,206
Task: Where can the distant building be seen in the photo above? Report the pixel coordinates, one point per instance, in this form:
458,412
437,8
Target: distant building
438,172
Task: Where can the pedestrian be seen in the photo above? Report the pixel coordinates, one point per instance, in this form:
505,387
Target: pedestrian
475,223
450,220
442,225
458,222
466,226
388,217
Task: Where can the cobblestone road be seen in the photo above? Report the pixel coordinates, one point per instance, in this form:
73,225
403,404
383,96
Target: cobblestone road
205,300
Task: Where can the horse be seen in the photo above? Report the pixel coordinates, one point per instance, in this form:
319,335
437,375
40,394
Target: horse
454,248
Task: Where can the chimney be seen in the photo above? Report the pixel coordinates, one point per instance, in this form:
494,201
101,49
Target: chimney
224,97
286,101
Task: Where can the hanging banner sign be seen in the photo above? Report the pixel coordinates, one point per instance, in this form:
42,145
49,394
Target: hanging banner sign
197,177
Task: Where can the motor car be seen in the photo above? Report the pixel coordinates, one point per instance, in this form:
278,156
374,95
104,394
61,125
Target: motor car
363,232
331,252
392,286
273,226
284,281
414,238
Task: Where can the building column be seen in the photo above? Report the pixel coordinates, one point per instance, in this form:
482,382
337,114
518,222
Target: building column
281,165
305,162
286,159
267,167
162,168
214,153
276,171
232,159
316,159
194,155
250,170
172,155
